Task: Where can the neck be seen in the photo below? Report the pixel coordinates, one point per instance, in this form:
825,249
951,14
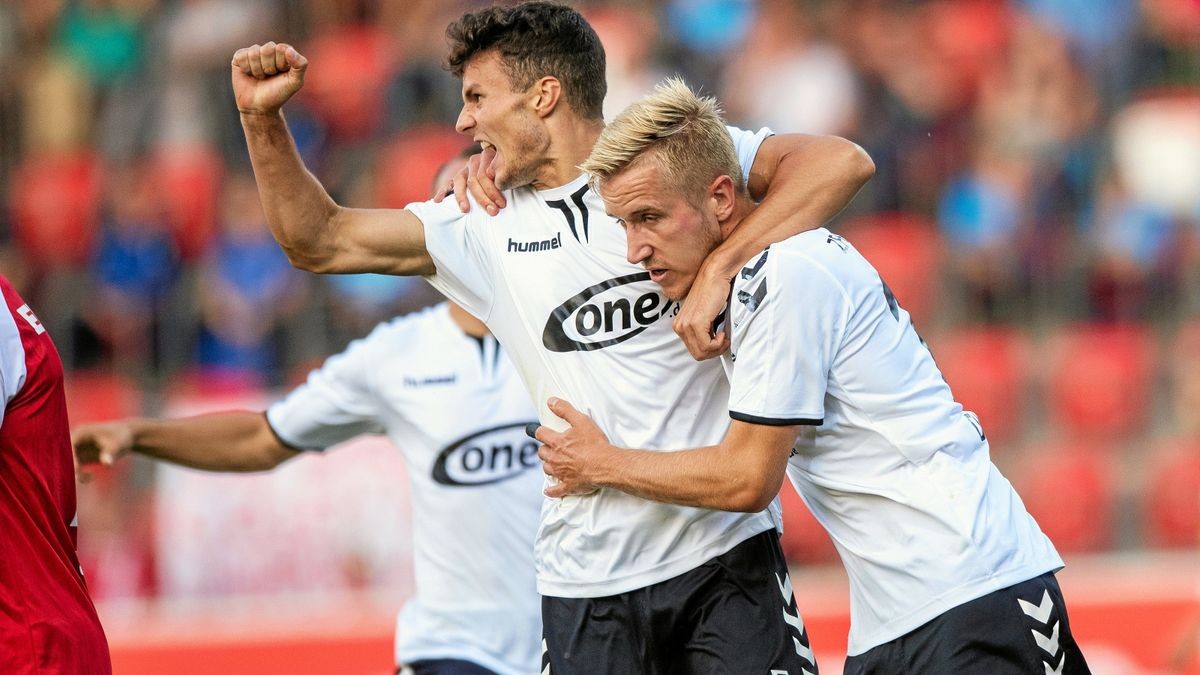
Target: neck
570,144
742,207
468,323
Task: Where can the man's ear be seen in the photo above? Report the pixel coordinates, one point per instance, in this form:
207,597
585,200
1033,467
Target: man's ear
546,93
723,194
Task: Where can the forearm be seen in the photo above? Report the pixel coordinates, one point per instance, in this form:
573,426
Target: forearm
809,184
299,211
227,441
707,477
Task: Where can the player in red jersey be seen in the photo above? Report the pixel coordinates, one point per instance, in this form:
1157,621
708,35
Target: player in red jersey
48,624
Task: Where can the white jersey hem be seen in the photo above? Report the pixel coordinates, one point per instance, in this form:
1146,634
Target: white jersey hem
668,570
959,595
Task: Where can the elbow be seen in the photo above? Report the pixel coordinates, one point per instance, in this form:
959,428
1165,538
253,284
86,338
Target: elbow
307,260
312,247
858,164
748,498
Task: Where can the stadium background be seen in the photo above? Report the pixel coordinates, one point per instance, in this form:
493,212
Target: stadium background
1036,208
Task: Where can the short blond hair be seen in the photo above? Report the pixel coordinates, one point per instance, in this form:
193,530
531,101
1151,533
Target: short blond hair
683,130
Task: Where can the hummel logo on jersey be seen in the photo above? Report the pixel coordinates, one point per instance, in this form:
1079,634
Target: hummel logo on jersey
837,241
487,456
605,315
31,318
431,380
532,246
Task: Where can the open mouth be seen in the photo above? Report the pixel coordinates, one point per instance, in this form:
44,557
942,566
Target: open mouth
656,275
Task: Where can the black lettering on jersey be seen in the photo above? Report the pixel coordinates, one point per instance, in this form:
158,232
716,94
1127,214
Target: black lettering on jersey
752,301
605,314
487,456
577,199
749,272
838,241
430,380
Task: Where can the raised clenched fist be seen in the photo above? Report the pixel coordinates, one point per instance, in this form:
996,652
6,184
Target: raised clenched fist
266,76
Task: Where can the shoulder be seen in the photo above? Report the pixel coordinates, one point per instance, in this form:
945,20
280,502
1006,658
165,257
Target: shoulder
423,325
812,265
13,349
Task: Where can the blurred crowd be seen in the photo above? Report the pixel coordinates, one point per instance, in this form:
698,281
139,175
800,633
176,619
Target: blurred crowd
1036,205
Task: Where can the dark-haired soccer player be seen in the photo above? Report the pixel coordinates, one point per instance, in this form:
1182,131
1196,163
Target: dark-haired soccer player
629,585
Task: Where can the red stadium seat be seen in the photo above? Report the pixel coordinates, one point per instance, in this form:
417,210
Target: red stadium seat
101,396
346,84
54,201
189,178
804,541
407,166
987,369
906,249
1069,490
1171,506
1101,379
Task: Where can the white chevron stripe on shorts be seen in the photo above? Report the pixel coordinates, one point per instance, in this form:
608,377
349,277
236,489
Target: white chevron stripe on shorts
1042,613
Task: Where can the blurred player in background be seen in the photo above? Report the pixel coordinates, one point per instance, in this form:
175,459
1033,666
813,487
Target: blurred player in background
830,383
47,621
438,384
629,585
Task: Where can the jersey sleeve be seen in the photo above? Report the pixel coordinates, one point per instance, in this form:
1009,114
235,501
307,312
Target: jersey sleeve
792,316
335,404
456,243
12,357
746,144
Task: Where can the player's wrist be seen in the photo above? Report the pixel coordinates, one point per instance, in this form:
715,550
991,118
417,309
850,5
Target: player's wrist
605,468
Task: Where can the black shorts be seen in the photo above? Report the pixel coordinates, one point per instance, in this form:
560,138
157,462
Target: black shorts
1020,629
443,667
733,614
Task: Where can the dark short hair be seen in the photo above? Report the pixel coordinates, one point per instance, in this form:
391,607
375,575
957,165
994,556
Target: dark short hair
536,39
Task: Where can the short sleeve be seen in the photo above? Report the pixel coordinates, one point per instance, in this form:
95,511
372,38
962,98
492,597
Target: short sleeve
12,358
455,242
746,144
335,404
788,320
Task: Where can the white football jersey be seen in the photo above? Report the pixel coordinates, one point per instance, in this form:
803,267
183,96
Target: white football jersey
887,461
455,407
550,278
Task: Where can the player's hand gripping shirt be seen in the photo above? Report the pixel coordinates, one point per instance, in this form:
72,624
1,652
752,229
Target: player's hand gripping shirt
888,462
455,407
550,278
47,622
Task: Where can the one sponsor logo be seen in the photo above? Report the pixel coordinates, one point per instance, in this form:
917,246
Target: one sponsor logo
487,456
432,380
533,246
606,314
